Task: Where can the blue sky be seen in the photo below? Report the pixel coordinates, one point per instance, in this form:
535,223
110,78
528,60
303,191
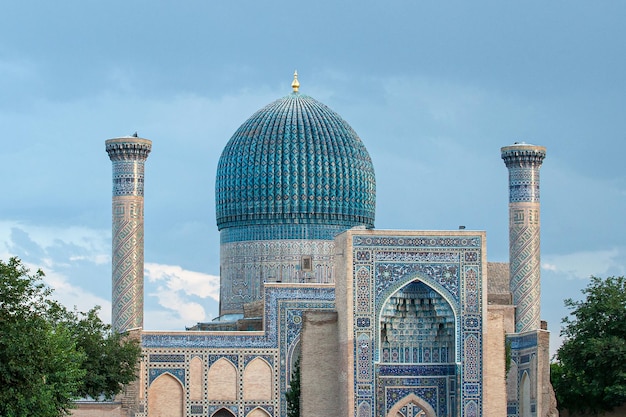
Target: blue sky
433,89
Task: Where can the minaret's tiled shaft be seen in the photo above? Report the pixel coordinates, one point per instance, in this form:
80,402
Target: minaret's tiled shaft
524,162
128,155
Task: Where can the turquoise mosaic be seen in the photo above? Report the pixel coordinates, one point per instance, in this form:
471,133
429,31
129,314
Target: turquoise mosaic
418,314
280,232
295,161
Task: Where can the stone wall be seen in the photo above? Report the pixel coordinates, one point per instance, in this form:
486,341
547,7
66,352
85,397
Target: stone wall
97,409
494,399
319,377
547,403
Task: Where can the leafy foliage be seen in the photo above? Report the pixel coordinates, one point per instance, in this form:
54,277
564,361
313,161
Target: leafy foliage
110,357
293,393
589,374
507,356
49,355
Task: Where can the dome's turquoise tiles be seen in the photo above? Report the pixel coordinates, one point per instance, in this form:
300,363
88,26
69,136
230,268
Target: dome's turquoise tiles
295,162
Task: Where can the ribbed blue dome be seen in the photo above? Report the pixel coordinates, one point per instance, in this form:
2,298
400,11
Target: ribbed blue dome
295,162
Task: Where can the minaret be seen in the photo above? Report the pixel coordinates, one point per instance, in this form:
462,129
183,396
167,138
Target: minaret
524,161
128,155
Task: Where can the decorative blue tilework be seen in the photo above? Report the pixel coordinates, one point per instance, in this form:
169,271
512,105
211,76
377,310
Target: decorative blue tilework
431,383
166,358
418,242
128,156
363,322
418,286
214,408
281,232
295,161
524,341
523,162
176,373
268,408
234,359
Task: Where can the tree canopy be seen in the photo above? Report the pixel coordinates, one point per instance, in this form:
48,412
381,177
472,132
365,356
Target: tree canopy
589,374
293,393
51,356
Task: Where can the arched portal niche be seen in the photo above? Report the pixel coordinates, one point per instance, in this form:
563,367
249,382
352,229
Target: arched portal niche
417,325
293,358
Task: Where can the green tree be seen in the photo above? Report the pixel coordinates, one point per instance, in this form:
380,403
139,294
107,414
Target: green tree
589,374
49,356
110,357
293,393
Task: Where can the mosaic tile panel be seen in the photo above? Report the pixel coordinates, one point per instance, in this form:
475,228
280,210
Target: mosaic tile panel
432,383
451,267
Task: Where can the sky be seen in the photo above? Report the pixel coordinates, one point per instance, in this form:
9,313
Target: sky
434,90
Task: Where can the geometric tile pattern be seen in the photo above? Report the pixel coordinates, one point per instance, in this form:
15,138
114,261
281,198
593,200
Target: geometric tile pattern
524,162
127,263
451,267
525,265
280,232
128,156
246,266
434,384
295,161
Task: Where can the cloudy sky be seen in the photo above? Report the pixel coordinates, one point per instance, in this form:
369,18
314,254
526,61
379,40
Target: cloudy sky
433,89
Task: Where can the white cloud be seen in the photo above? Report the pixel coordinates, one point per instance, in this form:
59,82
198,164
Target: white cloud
190,282
176,287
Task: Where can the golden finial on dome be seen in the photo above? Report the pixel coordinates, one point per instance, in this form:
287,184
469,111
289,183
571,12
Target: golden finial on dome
295,84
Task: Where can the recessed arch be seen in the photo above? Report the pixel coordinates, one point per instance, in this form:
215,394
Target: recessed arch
195,379
293,354
422,408
257,380
222,381
258,412
416,324
428,280
524,400
166,396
